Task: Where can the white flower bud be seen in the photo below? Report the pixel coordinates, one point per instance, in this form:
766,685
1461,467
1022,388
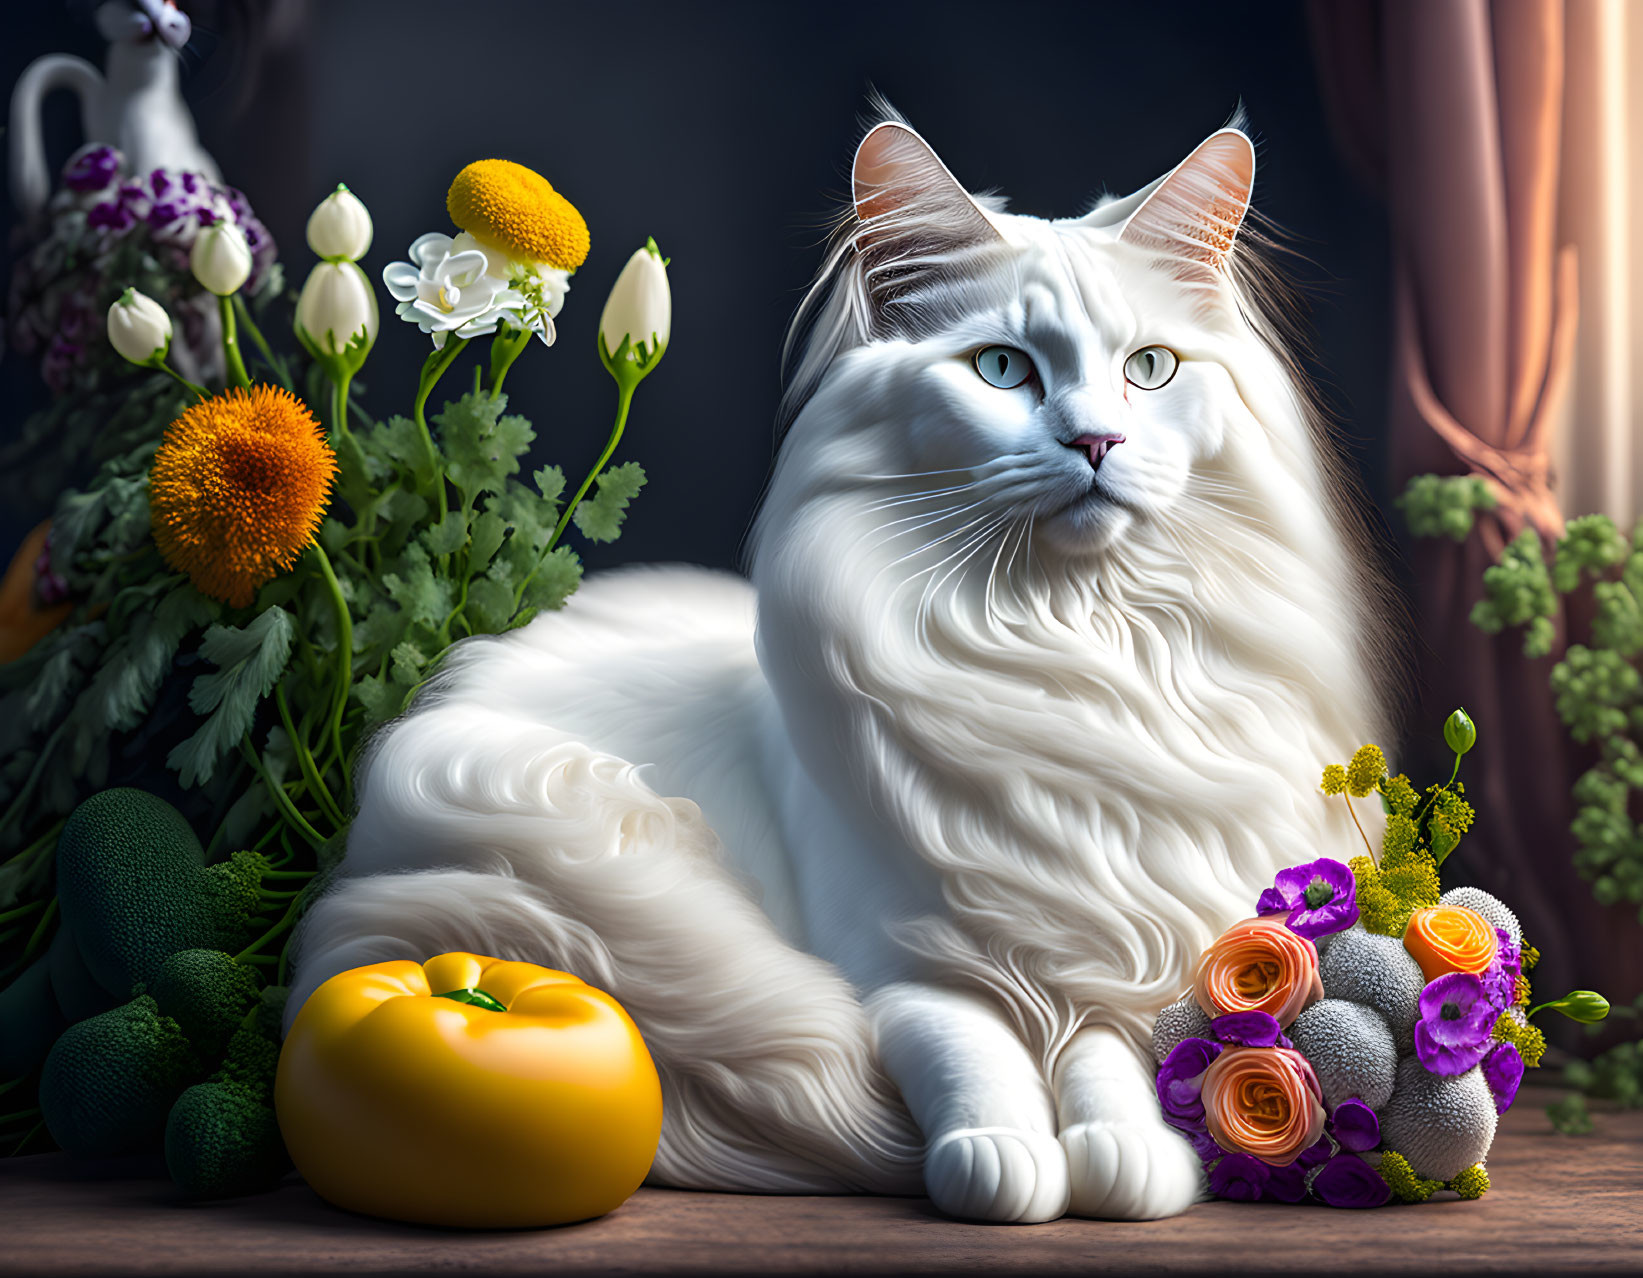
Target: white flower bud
339,228
221,259
335,306
640,307
139,328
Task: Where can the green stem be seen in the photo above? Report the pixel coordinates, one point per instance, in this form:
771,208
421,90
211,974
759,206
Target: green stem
281,801
432,370
21,911
624,401
507,347
32,1132
305,760
278,928
345,658
175,375
258,340
39,934
34,848
339,404
231,345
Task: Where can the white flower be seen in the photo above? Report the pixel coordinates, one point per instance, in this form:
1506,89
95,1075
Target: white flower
541,288
139,328
339,228
444,290
337,304
640,307
220,258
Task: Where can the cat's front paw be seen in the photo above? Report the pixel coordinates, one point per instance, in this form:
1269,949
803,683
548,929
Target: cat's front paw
1130,1170
997,1173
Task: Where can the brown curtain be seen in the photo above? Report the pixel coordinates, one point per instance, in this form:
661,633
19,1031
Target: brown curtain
1452,110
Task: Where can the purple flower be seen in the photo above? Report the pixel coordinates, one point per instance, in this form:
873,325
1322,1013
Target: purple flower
1355,1125
1286,1184
1321,1151
1203,1144
1241,1177
1181,1083
93,169
1503,1071
1321,897
1250,1029
111,215
1500,977
1456,1018
1347,1181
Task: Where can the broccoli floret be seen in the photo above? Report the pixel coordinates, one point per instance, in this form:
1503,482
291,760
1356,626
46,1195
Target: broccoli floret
222,1137
109,1081
1400,1177
134,888
208,994
1471,1183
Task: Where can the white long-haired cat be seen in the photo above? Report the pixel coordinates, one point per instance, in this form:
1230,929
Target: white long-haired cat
894,853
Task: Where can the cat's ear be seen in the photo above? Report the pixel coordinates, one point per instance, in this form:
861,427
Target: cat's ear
906,200
1193,213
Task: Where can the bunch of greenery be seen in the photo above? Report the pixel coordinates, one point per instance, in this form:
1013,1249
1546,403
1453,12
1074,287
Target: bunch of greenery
252,639
1597,690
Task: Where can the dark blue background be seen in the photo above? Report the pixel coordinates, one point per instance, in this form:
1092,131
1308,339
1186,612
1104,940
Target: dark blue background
725,130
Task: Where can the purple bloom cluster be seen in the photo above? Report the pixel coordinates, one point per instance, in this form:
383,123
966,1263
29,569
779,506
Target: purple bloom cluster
109,229
1320,897
1458,1015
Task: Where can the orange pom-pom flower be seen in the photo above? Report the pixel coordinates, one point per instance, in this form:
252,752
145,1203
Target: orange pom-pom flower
1450,938
1259,965
237,489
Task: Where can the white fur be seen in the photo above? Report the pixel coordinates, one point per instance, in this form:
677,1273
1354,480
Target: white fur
895,869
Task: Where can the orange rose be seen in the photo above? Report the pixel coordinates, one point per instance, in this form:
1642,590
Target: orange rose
1259,965
1450,938
1263,1101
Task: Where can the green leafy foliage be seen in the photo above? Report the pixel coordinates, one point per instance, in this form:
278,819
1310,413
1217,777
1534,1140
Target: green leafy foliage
249,660
1517,591
1569,1116
1444,505
599,518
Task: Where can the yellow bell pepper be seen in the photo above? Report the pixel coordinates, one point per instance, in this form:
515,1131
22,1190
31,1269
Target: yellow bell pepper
468,1091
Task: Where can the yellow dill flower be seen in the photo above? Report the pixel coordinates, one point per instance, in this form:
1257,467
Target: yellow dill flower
1399,794
1364,772
1377,907
1400,1177
1334,781
1413,880
516,210
1398,839
237,488
1471,1183
1453,807
1527,1038
1531,956
1521,998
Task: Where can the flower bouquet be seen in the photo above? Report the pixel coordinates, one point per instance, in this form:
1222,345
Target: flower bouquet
260,575
1356,1041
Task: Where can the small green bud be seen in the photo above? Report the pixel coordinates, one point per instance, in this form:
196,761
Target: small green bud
1460,734
1585,1006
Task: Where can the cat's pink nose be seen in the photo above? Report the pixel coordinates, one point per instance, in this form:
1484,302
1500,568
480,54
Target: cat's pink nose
1098,446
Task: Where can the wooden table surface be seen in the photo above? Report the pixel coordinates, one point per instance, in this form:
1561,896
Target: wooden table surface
1559,1204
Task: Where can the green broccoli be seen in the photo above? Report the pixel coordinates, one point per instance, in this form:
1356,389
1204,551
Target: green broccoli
222,1137
208,994
134,888
109,1081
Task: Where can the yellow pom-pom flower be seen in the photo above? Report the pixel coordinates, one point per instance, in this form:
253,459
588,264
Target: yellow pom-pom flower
1471,1183
1527,1038
516,210
1334,781
1400,795
1406,1185
237,489
1365,771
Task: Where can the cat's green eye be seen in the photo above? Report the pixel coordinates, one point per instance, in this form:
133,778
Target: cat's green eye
1150,367
1003,366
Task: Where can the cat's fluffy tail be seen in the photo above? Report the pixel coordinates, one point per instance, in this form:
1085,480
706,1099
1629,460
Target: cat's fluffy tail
479,831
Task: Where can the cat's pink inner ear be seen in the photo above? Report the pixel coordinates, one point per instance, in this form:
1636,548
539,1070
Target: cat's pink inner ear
1195,212
897,177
